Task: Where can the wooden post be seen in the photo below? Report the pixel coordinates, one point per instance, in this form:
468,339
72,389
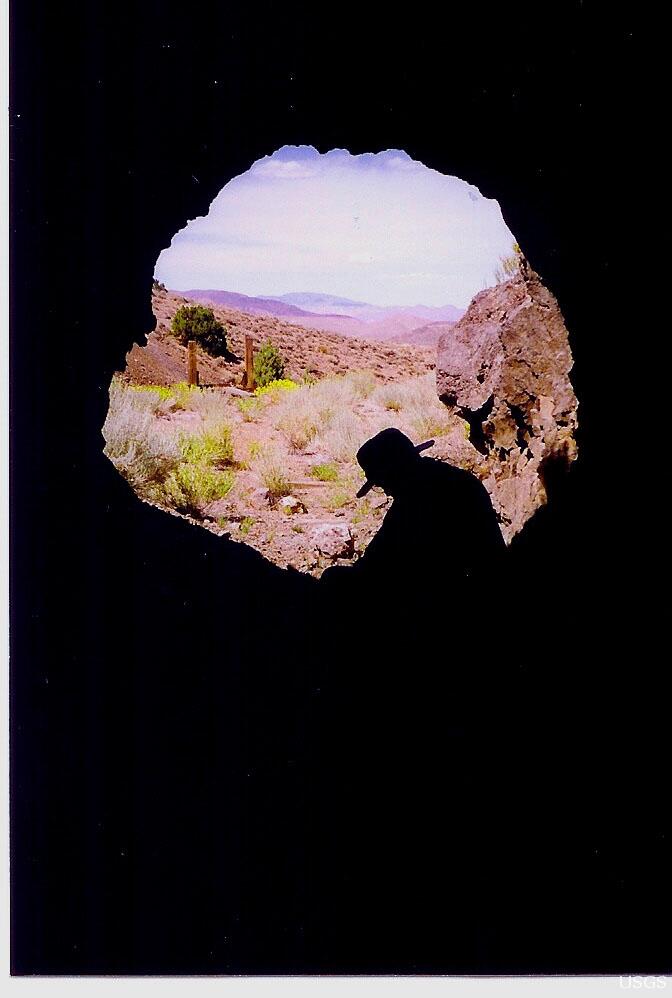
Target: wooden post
249,363
192,363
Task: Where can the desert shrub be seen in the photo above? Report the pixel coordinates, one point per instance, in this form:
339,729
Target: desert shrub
391,397
421,414
337,500
363,382
282,385
300,417
249,409
196,322
268,365
141,398
212,445
399,395
191,486
207,402
324,472
179,471
344,437
299,426
271,466
246,525
334,393
275,479
183,395
425,422
136,443
162,392
363,510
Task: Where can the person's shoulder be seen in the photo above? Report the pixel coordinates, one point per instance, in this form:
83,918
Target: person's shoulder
456,484
450,474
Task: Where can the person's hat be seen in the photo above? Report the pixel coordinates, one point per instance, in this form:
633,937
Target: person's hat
388,449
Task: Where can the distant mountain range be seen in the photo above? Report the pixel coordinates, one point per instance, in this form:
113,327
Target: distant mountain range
330,313
329,304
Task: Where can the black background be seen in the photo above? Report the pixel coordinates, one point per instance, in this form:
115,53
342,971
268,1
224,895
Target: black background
160,813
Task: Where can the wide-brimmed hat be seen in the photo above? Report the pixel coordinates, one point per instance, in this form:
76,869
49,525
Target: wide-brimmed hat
388,449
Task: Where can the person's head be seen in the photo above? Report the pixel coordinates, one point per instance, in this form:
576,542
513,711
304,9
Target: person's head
388,460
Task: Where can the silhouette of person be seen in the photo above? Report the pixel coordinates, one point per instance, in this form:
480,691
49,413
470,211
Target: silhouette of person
408,740
441,518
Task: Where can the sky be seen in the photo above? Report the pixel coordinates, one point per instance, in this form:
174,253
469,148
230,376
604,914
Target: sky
378,227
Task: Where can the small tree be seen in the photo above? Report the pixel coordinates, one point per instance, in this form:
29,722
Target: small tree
268,365
194,322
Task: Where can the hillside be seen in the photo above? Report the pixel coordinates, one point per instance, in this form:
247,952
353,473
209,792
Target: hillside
427,336
244,303
306,350
333,314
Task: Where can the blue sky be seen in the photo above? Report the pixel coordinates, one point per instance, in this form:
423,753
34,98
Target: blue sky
379,227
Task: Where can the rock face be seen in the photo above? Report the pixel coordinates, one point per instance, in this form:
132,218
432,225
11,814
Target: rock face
504,368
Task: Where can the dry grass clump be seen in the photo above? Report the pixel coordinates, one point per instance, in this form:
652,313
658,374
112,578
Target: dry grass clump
211,445
327,413
193,485
270,463
322,409
207,402
363,383
345,435
136,443
420,413
299,423
184,471
423,422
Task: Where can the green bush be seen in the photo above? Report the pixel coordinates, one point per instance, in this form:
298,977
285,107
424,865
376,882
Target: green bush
268,365
162,391
325,472
212,446
280,385
191,486
182,393
337,500
250,409
195,322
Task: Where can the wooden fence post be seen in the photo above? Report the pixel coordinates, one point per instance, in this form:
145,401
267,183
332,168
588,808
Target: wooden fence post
192,363
249,363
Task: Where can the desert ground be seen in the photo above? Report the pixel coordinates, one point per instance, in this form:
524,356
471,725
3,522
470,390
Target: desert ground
275,468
